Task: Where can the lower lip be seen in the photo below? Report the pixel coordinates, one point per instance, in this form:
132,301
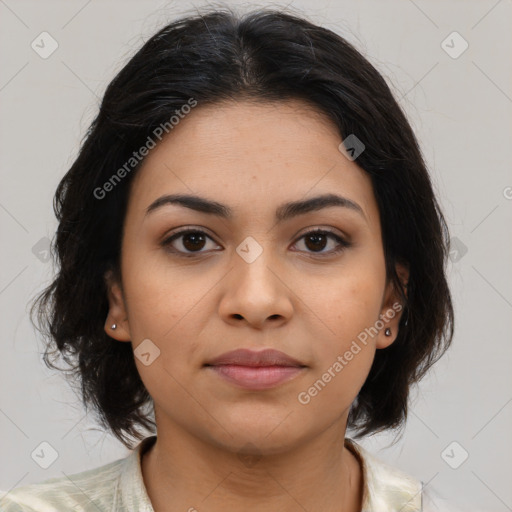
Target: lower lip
256,377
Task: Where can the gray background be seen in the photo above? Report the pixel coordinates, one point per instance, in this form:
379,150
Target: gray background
461,110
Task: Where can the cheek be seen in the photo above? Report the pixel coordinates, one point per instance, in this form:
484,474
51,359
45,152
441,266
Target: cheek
349,307
350,302
159,296
333,389
353,310
164,306
345,351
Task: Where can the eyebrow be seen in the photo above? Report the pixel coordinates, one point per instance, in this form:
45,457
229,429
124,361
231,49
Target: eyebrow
284,212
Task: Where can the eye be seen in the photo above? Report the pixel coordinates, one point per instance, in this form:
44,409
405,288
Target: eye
317,239
193,240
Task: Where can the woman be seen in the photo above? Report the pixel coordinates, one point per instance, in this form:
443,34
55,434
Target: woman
251,263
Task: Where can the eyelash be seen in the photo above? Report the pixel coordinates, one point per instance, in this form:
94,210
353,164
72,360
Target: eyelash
343,243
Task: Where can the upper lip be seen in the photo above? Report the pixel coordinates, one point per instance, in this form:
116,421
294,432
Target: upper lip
247,357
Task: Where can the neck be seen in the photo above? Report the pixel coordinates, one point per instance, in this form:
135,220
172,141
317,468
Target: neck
186,473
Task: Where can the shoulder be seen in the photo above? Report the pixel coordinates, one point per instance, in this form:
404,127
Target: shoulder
387,489
94,489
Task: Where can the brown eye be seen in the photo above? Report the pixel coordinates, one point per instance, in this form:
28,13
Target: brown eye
192,241
317,240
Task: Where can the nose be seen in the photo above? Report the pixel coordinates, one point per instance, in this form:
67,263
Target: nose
256,289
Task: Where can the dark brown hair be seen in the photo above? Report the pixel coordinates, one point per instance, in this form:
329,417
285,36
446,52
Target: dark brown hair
215,56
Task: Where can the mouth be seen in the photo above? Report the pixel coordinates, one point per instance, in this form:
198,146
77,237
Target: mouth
256,370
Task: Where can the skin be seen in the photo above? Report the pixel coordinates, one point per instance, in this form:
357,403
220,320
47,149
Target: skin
251,157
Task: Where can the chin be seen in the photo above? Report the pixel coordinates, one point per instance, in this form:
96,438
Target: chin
260,434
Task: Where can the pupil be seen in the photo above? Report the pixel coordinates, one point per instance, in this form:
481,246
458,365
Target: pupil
316,239
196,241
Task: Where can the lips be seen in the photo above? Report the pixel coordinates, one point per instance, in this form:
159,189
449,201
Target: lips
246,357
255,371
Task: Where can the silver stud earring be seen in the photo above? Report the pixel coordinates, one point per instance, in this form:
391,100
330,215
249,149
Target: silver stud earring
387,332
114,326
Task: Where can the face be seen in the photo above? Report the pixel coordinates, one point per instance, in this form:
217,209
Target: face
258,277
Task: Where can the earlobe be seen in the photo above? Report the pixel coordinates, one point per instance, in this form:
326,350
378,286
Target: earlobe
392,309
116,324
385,337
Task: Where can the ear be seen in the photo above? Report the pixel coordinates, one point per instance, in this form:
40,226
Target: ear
392,308
117,310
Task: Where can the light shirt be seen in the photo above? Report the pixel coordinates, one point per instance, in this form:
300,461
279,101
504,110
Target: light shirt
119,487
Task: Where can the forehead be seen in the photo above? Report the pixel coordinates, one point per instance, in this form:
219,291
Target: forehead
248,153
